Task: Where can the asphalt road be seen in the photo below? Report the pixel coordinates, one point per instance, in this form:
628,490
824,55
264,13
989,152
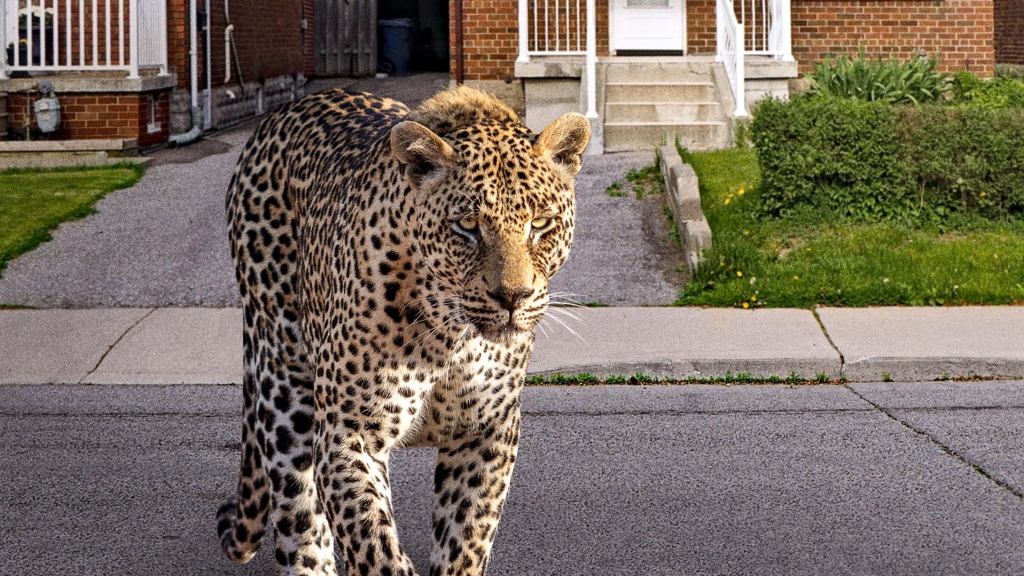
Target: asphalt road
163,242
871,479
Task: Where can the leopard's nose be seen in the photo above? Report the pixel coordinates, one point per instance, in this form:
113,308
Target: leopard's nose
510,298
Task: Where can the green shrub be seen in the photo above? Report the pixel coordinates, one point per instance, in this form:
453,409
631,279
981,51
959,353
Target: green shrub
911,81
873,161
831,153
966,159
997,93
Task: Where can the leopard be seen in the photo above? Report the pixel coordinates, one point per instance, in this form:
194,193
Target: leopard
393,265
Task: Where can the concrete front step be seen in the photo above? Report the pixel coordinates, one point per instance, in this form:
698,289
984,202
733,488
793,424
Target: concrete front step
66,153
663,111
658,72
699,135
654,91
648,104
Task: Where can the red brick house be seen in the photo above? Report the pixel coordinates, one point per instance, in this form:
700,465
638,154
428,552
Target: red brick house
144,71
650,70
643,70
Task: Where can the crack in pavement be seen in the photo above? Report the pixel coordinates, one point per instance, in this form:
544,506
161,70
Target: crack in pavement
942,446
828,338
114,345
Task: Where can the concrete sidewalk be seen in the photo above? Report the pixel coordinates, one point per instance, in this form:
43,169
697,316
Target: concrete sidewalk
203,345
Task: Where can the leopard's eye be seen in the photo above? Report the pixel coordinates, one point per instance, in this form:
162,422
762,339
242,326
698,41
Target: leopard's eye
541,224
467,226
468,223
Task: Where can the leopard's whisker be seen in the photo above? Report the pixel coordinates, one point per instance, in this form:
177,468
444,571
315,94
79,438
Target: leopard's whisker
567,314
566,326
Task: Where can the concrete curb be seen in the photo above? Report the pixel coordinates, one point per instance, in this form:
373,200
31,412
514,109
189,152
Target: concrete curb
909,344
684,200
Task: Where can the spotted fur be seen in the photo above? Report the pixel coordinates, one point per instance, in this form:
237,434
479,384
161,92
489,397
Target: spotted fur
393,266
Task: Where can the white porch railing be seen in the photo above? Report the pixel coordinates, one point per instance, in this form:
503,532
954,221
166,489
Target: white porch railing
753,28
767,26
730,36
555,27
561,28
77,35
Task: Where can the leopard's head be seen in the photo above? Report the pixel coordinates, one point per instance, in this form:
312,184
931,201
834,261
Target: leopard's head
495,217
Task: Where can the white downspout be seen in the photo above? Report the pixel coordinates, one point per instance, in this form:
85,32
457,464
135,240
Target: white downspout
193,70
208,101
227,52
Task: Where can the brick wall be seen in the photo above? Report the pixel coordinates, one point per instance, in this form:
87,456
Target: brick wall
91,115
959,32
490,38
268,37
177,40
1009,25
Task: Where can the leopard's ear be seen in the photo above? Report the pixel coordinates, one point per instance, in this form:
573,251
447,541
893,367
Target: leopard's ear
424,154
564,141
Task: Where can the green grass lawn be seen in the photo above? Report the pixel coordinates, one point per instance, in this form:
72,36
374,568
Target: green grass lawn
34,202
813,258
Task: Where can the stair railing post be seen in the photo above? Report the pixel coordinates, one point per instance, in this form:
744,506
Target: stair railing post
163,31
3,41
741,90
524,32
785,48
133,38
591,60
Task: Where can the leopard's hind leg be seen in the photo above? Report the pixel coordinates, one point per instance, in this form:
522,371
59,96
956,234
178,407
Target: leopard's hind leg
242,519
279,409
304,544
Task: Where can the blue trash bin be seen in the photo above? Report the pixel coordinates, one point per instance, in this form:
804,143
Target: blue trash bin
396,45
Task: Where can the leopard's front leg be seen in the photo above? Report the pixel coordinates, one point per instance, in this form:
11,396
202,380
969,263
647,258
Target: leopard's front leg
471,480
352,472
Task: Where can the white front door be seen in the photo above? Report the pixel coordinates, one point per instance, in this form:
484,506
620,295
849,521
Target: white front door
648,25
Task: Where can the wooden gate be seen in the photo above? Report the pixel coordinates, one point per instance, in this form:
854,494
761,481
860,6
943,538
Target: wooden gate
345,37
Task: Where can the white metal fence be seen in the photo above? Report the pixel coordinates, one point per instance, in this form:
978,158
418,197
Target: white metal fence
767,27
730,35
556,27
65,35
561,28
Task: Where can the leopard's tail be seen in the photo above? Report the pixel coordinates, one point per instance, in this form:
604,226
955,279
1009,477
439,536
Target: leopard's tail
242,519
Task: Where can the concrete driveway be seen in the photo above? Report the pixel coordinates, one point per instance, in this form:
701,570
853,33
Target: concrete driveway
163,242
866,479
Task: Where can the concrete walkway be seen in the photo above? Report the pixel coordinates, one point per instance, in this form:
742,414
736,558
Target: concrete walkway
163,242
203,345
864,479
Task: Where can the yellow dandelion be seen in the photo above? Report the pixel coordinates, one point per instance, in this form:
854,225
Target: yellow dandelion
739,274
753,298
727,200
746,305
741,191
